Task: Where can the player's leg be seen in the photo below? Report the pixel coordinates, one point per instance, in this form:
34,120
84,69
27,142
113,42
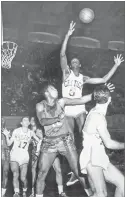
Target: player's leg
80,119
72,157
97,177
45,162
23,177
15,170
59,179
33,169
5,170
114,176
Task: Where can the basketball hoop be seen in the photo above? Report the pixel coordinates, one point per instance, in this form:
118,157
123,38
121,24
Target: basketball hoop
8,53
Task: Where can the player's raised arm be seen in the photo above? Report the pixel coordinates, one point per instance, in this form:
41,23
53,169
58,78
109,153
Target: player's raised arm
76,101
118,60
7,135
63,58
42,117
106,138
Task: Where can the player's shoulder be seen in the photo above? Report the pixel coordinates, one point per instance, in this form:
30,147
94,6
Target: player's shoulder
96,116
61,102
17,131
85,78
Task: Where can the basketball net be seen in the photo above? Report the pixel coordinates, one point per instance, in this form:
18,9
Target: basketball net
8,53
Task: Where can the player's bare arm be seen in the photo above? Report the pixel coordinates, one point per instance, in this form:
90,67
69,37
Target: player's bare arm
63,59
7,135
79,101
42,118
118,60
35,136
39,134
105,135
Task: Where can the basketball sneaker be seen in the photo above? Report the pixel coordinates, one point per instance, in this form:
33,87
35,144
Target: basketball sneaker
24,194
63,194
72,180
32,195
16,195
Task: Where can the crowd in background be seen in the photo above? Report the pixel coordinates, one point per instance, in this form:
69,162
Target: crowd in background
21,84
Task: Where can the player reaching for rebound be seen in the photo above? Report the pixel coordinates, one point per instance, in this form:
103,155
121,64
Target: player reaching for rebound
5,158
57,140
19,156
93,159
72,86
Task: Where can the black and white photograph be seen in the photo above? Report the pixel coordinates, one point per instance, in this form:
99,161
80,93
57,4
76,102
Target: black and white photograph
62,98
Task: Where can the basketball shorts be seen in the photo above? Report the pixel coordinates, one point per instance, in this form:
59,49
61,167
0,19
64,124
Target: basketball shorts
20,156
93,152
58,144
75,111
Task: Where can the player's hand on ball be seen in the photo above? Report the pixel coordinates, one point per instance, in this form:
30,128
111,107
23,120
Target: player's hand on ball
118,59
6,132
110,86
71,28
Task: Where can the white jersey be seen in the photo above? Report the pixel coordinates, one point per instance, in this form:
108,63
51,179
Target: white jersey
21,139
94,149
72,86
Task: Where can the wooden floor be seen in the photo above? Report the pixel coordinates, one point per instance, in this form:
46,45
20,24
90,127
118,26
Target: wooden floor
51,190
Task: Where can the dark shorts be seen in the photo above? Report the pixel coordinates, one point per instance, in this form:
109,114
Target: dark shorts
35,155
58,144
5,155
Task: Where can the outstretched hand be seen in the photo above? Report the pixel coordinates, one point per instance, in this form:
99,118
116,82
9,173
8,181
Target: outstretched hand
110,86
118,59
71,28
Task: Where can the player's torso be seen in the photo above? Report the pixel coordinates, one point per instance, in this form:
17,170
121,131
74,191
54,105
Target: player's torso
72,86
52,113
22,139
91,125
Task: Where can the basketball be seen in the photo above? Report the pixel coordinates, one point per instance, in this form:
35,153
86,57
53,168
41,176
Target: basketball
86,15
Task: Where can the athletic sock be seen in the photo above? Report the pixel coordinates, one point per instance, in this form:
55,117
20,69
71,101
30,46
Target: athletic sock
24,189
60,189
16,190
32,190
88,192
39,195
3,191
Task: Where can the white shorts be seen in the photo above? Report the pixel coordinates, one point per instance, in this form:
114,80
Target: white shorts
75,110
94,153
20,156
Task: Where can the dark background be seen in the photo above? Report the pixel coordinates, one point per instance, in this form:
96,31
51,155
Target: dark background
37,59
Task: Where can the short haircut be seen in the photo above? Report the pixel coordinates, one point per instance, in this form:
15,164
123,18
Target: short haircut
24,117
101,94
44,88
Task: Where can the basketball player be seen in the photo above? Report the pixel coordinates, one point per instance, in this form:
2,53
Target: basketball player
35,150
35,157
58,140
72,86
19,157
5,158
93,158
